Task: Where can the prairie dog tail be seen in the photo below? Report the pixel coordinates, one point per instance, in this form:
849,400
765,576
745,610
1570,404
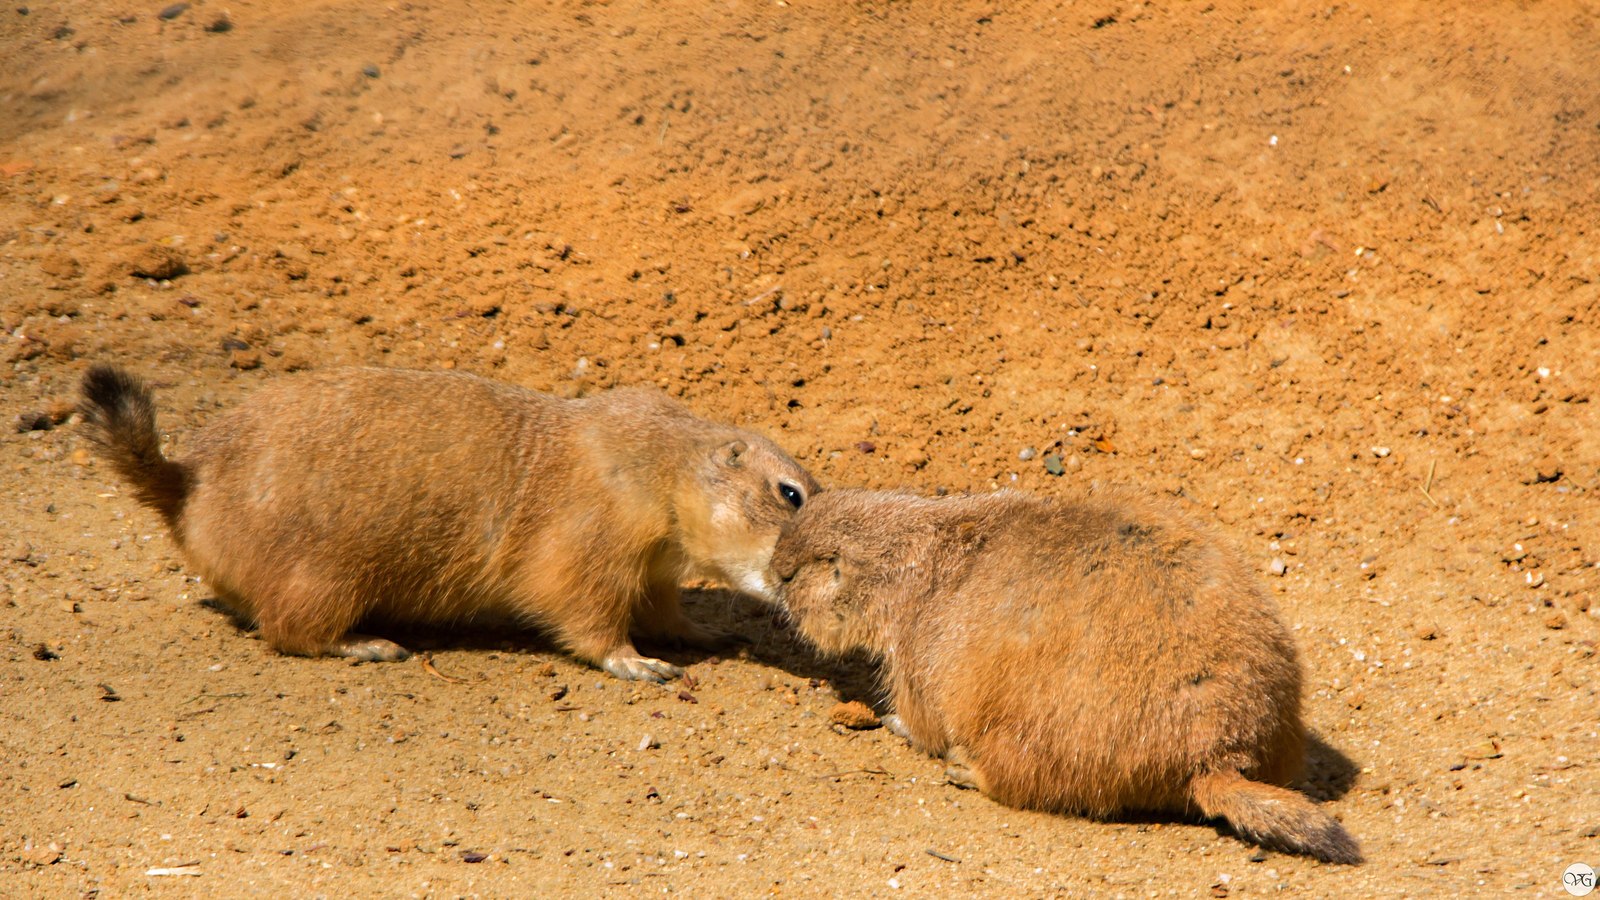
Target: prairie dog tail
121,419
1274,817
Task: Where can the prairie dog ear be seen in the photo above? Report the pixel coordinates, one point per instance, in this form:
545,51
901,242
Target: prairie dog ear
730,454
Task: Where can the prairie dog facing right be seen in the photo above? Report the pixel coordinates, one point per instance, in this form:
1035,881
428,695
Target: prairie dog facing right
1092,656
352,495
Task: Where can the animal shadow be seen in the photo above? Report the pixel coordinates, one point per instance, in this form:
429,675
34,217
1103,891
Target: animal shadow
771,642
1329,774
509,636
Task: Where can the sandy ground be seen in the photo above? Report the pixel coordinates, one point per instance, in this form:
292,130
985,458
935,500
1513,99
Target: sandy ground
1326,274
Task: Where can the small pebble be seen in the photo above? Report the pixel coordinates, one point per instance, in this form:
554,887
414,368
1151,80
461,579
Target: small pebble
173,11
866,446
1052,464
1197,453
648,742
156,261
370,70
1380,452
1027,453
33,421
1278,567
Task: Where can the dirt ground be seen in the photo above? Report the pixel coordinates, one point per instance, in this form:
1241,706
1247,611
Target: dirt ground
1327,274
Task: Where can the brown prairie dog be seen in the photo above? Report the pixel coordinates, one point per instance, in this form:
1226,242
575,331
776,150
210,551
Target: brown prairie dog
1091,657
354,495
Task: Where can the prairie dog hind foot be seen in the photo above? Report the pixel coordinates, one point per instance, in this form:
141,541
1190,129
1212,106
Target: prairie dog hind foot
958,771
896,726
630,666
367,648
363,647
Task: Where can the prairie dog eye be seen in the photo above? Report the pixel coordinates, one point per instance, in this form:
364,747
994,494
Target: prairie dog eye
791,493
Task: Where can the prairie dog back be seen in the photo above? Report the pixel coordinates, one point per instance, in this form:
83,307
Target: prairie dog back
1091,656
377,494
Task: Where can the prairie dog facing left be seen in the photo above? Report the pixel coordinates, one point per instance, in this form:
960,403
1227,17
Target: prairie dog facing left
1093,656
353,495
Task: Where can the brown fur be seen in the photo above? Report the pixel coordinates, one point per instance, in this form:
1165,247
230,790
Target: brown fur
370,494
1092,657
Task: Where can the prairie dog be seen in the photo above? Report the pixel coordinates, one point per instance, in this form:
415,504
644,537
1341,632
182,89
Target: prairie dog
1090,656
351,495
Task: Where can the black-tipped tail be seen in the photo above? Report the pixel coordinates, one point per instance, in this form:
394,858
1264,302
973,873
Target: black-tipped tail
1274,817
121,418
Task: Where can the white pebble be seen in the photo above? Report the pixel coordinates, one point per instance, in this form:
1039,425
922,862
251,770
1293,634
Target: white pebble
1278,567
1380,452
648,742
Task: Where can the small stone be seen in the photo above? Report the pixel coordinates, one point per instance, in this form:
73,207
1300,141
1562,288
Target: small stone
82,457
1052,464
60,409
1197,453
473,856
1427,632
1278,567
173,11
370,70
1027,453
558,692
545,670
220,25
60,266
1556,620
156,261
245,360
1544,472
866,446
854,715
648,742
43,653
1380,452
33,421
43,856
744,203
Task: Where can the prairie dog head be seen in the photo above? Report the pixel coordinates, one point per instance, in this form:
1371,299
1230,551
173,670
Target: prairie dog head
740,496
839,565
